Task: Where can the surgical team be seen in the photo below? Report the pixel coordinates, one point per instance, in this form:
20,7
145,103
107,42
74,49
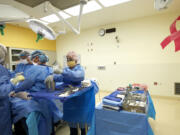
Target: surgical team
28,115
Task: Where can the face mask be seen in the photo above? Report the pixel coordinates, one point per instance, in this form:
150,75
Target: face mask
71,64
24,61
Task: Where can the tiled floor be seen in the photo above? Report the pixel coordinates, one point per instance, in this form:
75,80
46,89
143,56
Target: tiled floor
167,116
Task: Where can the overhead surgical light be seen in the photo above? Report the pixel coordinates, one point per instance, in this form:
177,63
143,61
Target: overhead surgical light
42,30
10,14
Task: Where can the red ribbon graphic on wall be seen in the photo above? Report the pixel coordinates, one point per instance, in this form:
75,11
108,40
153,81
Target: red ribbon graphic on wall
175,36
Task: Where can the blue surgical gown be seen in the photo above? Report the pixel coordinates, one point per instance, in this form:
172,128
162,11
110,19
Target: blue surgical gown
20,68
34,81
5,112
34,78
71,76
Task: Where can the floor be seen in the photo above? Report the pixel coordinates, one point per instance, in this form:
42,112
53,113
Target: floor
167,116
63,131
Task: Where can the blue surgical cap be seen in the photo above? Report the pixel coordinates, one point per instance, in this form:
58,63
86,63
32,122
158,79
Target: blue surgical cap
43,58
24,54
36,53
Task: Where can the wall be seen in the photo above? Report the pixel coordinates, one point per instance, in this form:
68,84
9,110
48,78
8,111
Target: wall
19,37
138,55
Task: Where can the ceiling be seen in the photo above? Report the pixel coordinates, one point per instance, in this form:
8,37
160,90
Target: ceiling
121,12
61,4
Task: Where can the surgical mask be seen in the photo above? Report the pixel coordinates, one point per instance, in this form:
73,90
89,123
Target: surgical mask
71,64
24,61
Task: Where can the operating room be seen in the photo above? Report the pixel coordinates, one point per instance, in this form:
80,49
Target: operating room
89,67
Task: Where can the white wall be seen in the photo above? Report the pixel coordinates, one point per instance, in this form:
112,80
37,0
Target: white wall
139,56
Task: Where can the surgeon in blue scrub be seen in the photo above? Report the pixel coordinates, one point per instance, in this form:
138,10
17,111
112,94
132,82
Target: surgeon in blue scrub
32,116
35,56
34,74
5,89
73,74
24,62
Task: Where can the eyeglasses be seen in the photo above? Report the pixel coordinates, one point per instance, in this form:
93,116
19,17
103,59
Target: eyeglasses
69,59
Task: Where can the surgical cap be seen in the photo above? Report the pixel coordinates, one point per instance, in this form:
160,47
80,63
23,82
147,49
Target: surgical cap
3,52
43,58
72,55
36,53
24,54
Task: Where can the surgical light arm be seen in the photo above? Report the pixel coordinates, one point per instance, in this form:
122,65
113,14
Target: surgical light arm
51,8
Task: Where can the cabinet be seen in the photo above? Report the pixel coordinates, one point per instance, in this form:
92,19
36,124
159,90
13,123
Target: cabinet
14,57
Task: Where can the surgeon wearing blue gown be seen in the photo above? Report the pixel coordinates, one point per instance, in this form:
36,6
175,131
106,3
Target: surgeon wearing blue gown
32,111
73,74
43,59
5,89
24,62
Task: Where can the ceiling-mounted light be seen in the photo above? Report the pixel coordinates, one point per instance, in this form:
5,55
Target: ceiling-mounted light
108,3
89,7
44,22
42,30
